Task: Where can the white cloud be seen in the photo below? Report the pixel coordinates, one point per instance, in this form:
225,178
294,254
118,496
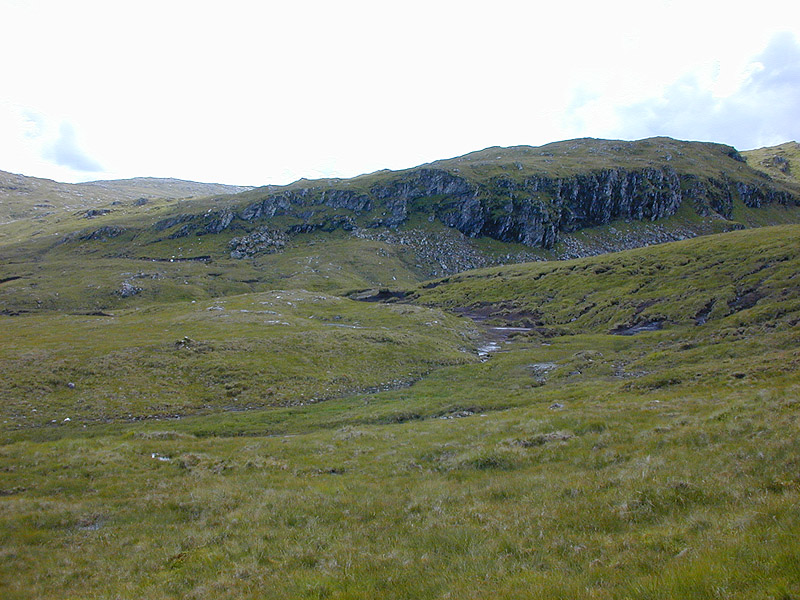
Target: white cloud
256,93
763,110
65,151
42,146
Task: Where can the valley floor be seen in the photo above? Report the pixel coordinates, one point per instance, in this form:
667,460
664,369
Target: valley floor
573,463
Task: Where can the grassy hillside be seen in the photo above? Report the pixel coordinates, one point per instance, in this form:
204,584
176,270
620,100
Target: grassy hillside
179,422
781,162
115,261
573,463
80,276
704,279
109,245
559,160
712,180
23,197
571,157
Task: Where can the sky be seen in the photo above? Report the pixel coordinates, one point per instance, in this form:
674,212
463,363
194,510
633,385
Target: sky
256,93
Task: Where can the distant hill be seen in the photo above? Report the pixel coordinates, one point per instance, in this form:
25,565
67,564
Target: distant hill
25,197
385,229
532,196
781,162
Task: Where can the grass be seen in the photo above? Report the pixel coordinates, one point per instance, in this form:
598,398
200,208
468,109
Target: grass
781,162
179,423
575,463
669,283
51,274
46,201
239,352
423,508
50,278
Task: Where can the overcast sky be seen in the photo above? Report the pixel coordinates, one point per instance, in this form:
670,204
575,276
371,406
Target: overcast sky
267,92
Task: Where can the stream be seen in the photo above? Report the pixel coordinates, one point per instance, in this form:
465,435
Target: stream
493,338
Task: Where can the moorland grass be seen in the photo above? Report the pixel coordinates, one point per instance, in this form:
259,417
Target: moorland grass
680,492
574,463
781,162
233,353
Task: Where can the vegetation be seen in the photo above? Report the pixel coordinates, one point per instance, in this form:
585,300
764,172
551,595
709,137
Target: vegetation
780,162
573,463
49,277
236,353
44,200
704,279
176,422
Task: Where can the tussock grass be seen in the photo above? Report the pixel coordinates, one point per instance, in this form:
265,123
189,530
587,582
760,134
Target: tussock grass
657,465
278,348
686,282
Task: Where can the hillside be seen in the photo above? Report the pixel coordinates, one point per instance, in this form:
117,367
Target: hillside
782,162
526,195
686,283
387,229
23,197
632,431
311,391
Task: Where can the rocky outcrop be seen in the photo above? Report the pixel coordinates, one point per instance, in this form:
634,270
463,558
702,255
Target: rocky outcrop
262,241
441,253
102,234
216,221
780,163
127,289
95,212
165,224
533,210
431,184
286,202
213,221
755,196
346,199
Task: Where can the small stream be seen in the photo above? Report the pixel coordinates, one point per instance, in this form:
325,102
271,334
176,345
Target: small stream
493,338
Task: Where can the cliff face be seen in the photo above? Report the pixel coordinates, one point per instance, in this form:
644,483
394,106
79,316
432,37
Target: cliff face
528,208
536,210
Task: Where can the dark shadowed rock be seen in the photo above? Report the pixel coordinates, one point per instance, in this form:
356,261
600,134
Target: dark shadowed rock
102,234
526,201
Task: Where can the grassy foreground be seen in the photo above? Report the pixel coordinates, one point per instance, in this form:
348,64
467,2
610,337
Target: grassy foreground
575,464
233,353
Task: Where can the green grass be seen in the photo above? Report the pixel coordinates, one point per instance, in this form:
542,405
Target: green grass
673,283
277,348
50,274
573,464
480,506
79,276
781,162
